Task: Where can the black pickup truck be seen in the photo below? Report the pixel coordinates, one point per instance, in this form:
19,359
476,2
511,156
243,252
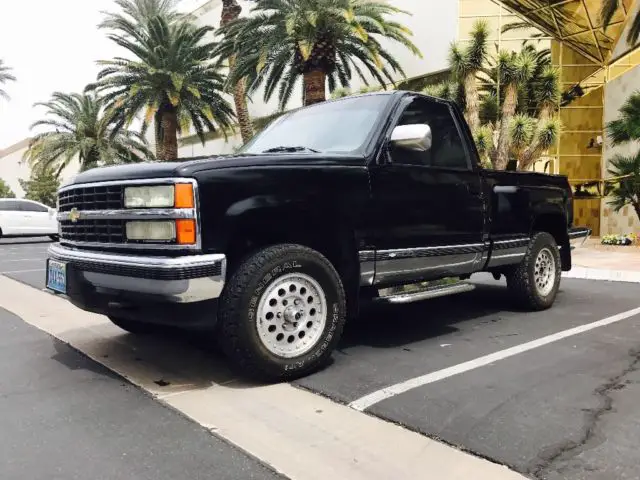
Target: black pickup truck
373,197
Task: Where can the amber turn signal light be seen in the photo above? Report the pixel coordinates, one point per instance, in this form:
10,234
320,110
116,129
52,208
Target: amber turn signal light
186,232
184,195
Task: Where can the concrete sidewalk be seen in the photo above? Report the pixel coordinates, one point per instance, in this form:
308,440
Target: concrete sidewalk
595,261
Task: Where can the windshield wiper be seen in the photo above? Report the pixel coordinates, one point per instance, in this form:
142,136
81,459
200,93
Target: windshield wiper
290,150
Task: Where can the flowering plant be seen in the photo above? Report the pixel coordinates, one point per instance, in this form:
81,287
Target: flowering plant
628,239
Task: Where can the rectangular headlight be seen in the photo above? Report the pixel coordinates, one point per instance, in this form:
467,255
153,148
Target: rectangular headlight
157,196
152,231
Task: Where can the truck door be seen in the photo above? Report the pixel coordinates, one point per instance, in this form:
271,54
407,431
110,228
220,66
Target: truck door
428,205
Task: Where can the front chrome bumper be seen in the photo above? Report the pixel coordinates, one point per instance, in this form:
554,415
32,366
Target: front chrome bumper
577,236
185,279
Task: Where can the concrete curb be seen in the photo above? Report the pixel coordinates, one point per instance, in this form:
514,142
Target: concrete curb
297,433
608,275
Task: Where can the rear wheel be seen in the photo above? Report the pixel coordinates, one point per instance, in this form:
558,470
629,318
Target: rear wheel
282,313
536,280
131,326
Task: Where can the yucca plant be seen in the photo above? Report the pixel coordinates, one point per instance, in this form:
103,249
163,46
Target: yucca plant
5,76
465,64
515,69
171,76
322,42
78,126
449,90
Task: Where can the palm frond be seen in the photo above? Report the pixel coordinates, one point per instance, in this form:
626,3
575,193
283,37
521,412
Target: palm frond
283,40
79,126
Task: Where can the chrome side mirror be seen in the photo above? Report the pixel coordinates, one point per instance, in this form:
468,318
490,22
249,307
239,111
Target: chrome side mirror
412,137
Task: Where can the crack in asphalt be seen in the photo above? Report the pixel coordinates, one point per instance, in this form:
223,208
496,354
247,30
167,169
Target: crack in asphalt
569,449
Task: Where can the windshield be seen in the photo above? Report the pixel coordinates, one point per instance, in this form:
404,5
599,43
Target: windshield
340,127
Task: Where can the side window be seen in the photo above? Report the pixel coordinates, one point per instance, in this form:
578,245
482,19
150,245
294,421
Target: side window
447,149
32,207
9,206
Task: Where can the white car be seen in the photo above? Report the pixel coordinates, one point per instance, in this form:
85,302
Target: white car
26,218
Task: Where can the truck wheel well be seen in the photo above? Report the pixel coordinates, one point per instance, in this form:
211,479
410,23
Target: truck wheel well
556,225
335,242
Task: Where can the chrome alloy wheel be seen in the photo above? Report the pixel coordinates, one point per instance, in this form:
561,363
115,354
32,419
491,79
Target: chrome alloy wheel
292,314
545,272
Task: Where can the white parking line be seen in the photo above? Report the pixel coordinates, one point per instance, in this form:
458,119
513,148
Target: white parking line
4,252
2,272
367,401
23,260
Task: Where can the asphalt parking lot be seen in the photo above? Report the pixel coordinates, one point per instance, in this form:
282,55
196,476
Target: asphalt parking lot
564,409
23,259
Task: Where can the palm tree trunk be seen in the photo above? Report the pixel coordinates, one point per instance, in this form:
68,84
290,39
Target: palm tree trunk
157,132
231,10
314,87
508,111
472,110
169,149
242,111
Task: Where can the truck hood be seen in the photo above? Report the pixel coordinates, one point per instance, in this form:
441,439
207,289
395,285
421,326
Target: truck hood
190,168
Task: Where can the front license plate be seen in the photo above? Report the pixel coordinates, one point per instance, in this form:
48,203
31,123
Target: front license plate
57,276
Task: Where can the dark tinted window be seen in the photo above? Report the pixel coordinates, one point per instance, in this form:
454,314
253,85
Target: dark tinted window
447,149
339,126
9,206
32,207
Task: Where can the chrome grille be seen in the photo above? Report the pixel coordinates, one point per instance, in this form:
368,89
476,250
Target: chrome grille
107,197
93,215
94,231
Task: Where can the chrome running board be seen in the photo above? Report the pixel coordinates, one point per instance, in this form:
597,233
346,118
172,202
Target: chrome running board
425,293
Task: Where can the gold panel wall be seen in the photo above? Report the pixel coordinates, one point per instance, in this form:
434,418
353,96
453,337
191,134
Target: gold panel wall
583,50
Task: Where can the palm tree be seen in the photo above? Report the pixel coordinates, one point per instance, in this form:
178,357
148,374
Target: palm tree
5,76
626,190
322,41
138,11
465,64
172,77
608,9
231,11
627,127
623,130
80,127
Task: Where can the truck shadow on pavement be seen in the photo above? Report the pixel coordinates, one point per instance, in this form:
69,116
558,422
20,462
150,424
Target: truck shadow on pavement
174,360
390,326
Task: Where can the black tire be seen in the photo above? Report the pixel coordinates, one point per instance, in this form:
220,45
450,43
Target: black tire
521,281
238,315
131,326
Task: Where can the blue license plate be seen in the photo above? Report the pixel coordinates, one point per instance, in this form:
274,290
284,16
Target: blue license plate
57,276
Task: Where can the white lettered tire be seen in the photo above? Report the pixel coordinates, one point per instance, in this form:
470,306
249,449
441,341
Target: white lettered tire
282,313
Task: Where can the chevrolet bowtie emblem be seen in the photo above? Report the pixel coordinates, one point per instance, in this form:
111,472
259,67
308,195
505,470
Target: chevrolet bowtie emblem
74,215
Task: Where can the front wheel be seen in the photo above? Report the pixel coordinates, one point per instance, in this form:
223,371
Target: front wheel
536,280
282,313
